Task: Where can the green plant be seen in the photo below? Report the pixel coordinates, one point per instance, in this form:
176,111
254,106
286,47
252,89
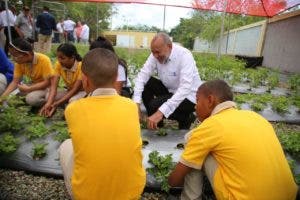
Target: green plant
294,82
280,104
61,130
272,80
162,132
162,166
257,106
37,128
13,114
39,150
290,141
8,143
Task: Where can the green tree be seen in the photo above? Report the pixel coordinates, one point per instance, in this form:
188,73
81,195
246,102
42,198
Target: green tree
140,27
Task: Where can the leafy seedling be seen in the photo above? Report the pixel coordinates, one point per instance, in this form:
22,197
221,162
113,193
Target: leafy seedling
39,150
8,143
162,132
36,129
61,130
162,167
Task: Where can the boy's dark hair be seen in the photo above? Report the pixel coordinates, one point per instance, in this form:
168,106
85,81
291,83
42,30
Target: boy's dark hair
218,88
69,50
103,72
104,43
21,44
46,8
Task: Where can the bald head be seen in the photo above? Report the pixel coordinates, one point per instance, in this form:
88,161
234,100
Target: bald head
161,47
218,88
100,66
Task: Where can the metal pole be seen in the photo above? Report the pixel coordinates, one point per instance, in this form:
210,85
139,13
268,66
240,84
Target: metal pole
222,30
7,20
164,22
97,21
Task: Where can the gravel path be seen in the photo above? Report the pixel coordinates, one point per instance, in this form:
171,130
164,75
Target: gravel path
19,185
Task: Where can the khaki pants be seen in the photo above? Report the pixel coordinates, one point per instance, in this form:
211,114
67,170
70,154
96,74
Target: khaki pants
44,43
193,182
60,95
66,162
3,83
36,98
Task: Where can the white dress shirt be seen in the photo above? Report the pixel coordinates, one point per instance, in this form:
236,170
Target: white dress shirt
85,32
122,76
3,19
179,75
68,25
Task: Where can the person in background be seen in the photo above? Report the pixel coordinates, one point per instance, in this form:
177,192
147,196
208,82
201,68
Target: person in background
122,84
77,31
7,23
68,67
85,33
46,24
173,96
68,26
237,149
35,68
59,34
23,24
102,160
6,71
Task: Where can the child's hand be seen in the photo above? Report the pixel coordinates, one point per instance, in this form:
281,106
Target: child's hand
24,88
52,109
44,111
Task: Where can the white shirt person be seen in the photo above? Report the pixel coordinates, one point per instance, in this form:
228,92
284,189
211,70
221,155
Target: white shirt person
174,94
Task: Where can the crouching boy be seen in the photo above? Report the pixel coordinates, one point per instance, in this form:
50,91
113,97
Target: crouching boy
103,158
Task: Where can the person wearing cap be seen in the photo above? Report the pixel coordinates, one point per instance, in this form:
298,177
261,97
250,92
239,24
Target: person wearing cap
23,24
46,23
35,66
6,71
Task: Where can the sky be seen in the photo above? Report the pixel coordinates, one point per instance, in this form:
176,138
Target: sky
151,15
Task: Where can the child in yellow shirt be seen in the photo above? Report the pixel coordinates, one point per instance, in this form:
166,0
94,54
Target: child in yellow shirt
68,67
35,66
105,145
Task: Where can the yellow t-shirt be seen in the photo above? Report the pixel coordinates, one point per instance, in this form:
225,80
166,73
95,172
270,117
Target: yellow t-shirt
251,162
70,76
39,70
107,147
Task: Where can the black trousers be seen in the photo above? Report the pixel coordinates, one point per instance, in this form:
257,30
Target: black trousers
14,35
155,94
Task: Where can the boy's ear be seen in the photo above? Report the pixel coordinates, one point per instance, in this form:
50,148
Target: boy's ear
212,101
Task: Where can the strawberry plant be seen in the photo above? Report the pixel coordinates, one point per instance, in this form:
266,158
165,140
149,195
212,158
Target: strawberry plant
294,82
39,150
290,141
61,130
162,167
272,80
162,132
8,143
280,104
37,128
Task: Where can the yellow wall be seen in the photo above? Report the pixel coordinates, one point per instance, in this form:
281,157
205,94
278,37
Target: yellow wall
137,37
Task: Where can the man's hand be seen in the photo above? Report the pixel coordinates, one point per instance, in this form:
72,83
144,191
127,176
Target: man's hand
24,88
153,120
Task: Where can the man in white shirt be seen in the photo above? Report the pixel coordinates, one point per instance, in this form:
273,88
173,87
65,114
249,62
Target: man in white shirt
174,95
85,33
69,26
23,24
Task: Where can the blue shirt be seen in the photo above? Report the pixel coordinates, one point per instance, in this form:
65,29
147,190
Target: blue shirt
46,23
6,67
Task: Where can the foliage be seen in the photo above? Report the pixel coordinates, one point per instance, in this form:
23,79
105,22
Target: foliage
61,130
8,143
294,82
140,27
13,114
290,141
273,80
37,128
39,150
280,104
162,132
207,25
88,11
162,166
